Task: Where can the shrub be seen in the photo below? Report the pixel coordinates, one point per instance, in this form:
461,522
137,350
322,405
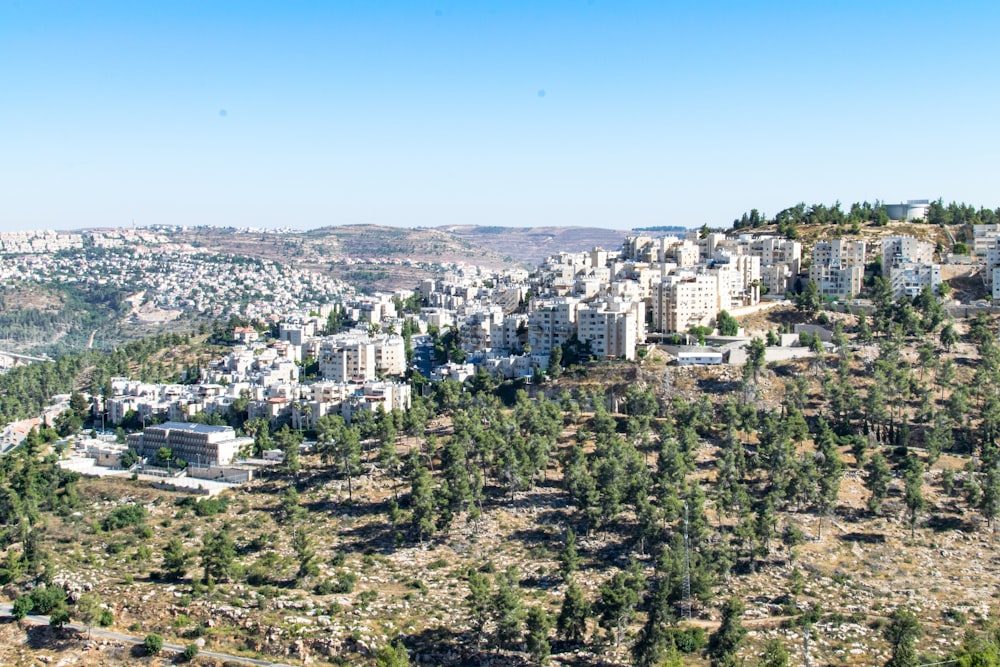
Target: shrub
688,640
345,582
44,600
153,644
127,515
190,651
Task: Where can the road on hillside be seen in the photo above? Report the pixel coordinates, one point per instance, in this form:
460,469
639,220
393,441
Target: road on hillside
35,619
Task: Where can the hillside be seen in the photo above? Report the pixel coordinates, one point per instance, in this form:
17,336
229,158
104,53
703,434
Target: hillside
822,495
531,245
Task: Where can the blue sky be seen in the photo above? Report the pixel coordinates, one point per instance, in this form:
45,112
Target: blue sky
601,113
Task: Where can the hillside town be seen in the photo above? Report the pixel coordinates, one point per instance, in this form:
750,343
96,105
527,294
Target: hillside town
605,304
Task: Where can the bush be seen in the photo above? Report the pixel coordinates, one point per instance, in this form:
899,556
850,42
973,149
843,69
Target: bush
153,644
44,600
345,582
124,516
190,651
688,640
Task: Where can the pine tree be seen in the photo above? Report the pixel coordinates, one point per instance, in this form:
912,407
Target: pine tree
618,601
569,559
175,559
508,609
726,641
901,633
572,620
421,496
538,625
877,481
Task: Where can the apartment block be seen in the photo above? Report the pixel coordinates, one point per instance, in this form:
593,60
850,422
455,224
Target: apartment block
682,301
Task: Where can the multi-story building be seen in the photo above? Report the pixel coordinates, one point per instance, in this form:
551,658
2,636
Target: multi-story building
347,360
195,443
838,268
837,282
839,252
551,323
681,301
612,327
908,265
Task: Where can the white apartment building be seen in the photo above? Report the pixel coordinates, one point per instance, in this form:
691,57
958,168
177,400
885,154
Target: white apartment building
612,327
838,268
390,356
837,282
908,265
682,301
902,249
551,323
839,252
343,360
984,236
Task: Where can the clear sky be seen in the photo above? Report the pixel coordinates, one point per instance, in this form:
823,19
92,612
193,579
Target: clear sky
498,112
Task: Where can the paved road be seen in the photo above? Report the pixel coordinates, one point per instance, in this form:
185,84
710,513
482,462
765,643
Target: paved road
5,610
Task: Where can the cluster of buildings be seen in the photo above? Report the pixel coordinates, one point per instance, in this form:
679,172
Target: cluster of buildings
48,241
172,278
986,245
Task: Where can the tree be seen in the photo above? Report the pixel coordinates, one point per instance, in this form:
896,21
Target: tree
775,654
175,559
948,336
478,599
913,482
190,652
572,620
304,554
654,640
153,644
809,300
22,607
88,610
288,442
538,624
877,481
901,633
727,324
218,556
508,610
619,598
289,509
421,496
392,655
756,352
726,641
569,559
60,616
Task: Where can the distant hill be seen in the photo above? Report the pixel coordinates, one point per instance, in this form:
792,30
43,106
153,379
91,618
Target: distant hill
533,244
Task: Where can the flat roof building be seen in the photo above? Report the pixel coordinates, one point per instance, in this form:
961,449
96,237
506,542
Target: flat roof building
195,443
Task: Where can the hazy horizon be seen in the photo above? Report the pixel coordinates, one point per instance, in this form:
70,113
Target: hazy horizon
424,114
